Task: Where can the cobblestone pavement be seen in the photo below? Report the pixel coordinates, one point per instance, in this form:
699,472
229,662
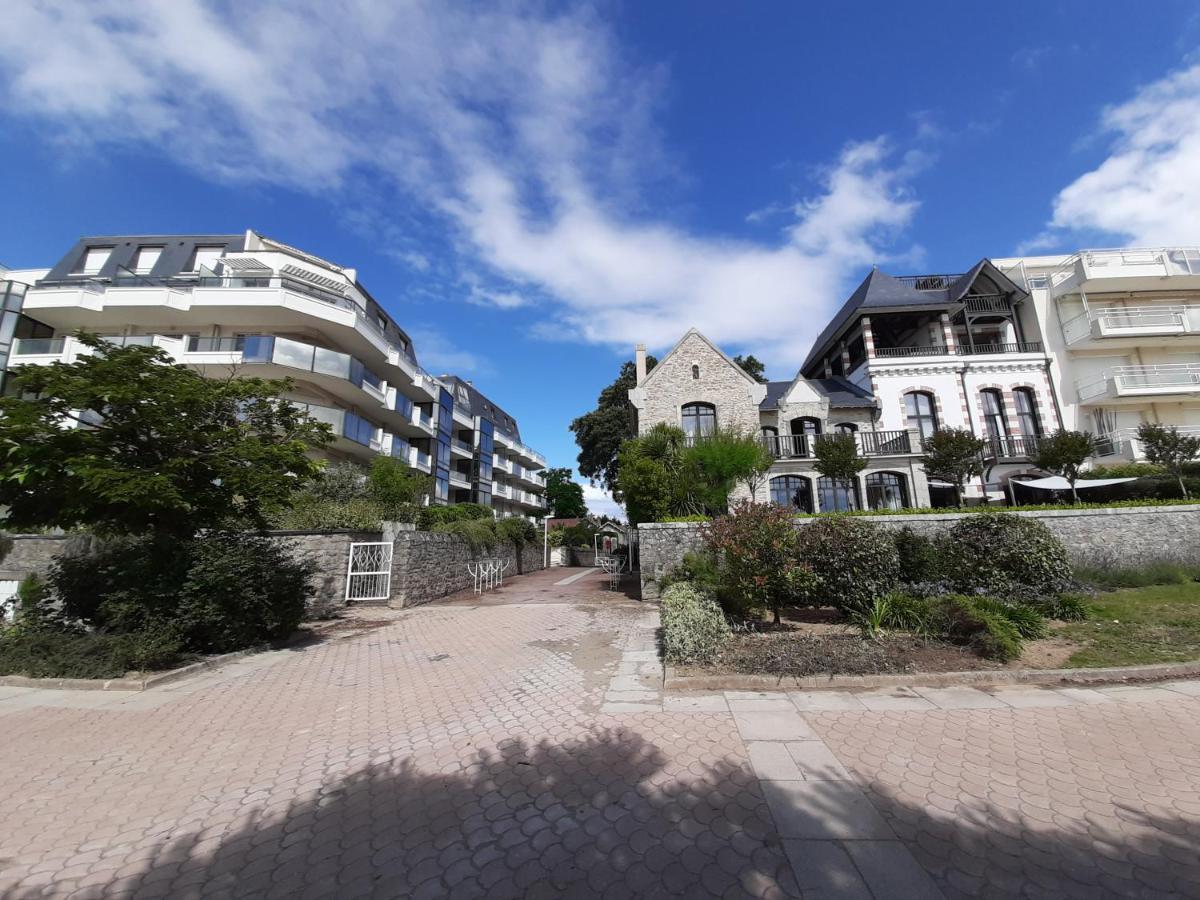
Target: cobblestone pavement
519,745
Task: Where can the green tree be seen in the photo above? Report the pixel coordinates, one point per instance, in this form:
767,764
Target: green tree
601,432
1064,453
752,367
713,467
649,475
124,441
954,455
396,487
836,456
564,495
1168,448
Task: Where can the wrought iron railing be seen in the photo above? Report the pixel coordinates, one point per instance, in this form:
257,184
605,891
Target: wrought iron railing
903,352
788,446
1021,447
988,303
1014,347
929,282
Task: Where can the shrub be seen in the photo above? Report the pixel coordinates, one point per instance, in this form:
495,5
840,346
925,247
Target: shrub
694,517
240,590
872,619
1064,607
694,627
961,620
339,481
397,488
854,562
66,654
918,556
759,563
310,513
906,612
1029,621
697,568
31,610
429,516
1005,555
479,533
516,529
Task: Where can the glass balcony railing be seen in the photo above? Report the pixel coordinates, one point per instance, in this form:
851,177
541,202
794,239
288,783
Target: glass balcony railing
38,346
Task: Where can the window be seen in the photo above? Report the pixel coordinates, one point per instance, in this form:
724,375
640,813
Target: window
845,428
887,490
204,258
92,260
699,419
1027,417
837,496
145,259
793,491
695,373
993,414
921,413
806,425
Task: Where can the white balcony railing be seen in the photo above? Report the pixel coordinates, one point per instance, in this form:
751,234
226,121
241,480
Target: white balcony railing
1126,262
1124,442
1122,381
1132,321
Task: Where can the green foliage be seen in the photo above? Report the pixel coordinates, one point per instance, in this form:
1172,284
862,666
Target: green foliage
308,513
431,516
751,365
164,449
1064,607
1005,555
397,488
564,495
339,482
758,551
963,621
954,455
854,562
836,456
580,535
993,628
240,590
601,432
695,517
1167,448
32,610
871,619
712,467
1126,470
698,569
68,654
479,533
1151,572
1064,453
1029,621
694,628
516,529
976,510
918,555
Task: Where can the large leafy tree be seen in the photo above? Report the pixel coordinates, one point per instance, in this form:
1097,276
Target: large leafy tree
601,432
1064,453
123,441
564,494
753,367
1168,448
954,455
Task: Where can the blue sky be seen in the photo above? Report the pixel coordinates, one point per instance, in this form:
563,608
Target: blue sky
531,188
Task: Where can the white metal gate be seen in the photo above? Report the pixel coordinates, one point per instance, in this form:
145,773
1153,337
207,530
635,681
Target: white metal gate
369,573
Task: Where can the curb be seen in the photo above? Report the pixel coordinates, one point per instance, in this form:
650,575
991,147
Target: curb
672,680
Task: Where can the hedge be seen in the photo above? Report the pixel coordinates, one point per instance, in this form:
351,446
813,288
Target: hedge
694,628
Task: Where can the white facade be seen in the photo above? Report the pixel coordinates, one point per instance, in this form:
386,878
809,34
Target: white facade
248,304
1122,327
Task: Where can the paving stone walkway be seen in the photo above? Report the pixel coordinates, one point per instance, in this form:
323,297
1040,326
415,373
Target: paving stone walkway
519,745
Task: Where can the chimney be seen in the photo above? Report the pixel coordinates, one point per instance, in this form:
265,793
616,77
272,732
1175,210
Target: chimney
639,355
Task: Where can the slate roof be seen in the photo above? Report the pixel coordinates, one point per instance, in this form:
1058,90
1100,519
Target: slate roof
480,405
841,393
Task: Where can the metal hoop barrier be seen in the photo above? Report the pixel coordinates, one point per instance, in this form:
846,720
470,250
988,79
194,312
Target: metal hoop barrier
612,566
488,573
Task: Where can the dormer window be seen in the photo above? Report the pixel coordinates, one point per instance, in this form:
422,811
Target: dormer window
695,373
204,258
92,260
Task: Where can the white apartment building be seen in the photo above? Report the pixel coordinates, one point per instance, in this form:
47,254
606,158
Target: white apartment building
948,351
246,303
1122,328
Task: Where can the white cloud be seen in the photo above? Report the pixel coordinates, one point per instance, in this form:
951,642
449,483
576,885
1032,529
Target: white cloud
1147,191
600,502
527,132
440,356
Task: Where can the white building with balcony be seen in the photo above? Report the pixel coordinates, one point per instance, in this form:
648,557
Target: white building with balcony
245,303
1123,329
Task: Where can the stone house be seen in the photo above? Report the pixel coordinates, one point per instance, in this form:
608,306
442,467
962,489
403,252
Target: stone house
698,388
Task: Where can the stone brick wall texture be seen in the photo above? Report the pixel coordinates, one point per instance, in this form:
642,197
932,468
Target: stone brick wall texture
427,565
1123,536
671,384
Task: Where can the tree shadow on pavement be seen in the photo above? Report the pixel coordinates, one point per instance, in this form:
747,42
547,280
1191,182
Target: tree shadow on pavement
608,813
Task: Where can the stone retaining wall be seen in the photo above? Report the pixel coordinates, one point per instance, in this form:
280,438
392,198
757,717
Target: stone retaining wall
1121,536
427,565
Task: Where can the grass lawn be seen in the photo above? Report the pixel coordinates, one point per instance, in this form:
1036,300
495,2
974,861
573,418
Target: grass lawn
1155,624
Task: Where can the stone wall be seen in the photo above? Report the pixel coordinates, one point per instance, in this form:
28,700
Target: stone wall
32,554
427,565
330,551
1122,536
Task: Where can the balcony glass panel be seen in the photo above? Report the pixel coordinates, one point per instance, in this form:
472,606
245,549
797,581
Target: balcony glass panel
330,362
293,353
38,346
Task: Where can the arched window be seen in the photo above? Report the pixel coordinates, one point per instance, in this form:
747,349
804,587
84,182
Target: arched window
993,414
695,373
793,491
699,419
770,430
1027,417
770,440
837,495
806,425
845,428
922,413
887,490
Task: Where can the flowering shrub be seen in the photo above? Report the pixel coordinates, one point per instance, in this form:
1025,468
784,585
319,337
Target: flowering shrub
757,546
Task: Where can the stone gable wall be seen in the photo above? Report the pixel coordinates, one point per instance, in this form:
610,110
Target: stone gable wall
1122,536
670,385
